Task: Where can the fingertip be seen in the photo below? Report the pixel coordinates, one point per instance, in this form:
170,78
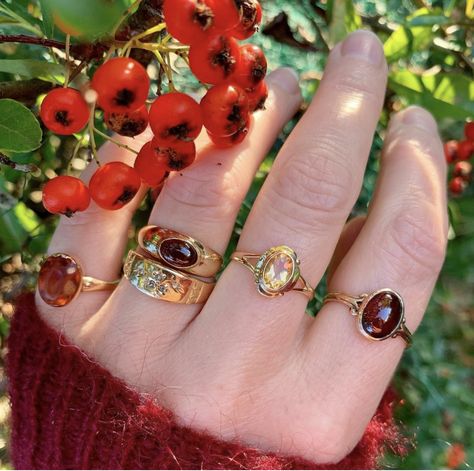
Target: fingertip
287,80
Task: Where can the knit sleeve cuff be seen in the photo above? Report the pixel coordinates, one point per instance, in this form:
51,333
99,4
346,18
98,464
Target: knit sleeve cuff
69,413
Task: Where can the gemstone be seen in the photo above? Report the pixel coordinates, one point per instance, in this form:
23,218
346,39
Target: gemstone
382,315
278,272
178,253
59,280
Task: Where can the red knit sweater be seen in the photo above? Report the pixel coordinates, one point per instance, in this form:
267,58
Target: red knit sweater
69,413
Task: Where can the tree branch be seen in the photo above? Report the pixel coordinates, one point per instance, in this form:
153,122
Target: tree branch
25,168
24,90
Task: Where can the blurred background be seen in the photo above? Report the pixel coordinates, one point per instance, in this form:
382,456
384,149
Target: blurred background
429,47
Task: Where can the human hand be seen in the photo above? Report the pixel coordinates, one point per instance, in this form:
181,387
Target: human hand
256,369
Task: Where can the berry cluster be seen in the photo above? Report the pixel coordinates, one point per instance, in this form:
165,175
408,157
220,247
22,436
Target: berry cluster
458,154
236,72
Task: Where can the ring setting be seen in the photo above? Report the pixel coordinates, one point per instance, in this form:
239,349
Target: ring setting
276,272
380,315
61,280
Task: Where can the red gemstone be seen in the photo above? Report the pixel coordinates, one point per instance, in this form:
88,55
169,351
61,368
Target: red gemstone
178,253
59,280
382,315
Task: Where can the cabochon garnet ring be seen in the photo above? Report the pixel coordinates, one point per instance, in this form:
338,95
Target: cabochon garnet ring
380,315
276,272
61,280
179,251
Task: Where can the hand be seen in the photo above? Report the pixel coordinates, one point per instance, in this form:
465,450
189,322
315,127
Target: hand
258,369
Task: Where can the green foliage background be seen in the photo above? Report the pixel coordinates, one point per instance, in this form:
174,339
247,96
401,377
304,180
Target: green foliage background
429,47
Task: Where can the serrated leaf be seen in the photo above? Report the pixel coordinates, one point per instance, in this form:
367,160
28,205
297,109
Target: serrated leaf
20,131
343,19
447,95
408,39
31,68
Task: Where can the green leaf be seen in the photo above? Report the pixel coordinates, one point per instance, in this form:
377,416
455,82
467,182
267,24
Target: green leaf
31,68
343,19
47,25
19,128
408,39
428,20
446,95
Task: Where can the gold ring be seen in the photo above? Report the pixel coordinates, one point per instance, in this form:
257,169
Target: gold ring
179,251
380,315
276,272
160,282
61,280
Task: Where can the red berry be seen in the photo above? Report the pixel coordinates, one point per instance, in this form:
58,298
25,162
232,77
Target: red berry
122,85
224,142
469,131
457,185
465,150
189,21
250,19
463,170
129,124
151,169
215,59
64,111
257,96
175,117
226,14
114,185
66,195
225,109
176,157
451,151
252,67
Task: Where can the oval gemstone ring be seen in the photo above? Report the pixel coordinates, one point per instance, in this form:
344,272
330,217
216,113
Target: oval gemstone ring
61,280
380,315
276,272
179,251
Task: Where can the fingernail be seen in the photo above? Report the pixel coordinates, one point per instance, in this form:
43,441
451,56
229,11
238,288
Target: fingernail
363,45
419,118
285,78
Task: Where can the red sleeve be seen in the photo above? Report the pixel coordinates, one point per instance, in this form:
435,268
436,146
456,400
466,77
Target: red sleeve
69,413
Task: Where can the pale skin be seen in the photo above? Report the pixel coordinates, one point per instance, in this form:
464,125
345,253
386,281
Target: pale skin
256,369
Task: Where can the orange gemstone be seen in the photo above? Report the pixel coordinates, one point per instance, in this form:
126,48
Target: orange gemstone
59,280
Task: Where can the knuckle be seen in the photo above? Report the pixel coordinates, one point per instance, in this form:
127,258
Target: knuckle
312,190
210,191
416,244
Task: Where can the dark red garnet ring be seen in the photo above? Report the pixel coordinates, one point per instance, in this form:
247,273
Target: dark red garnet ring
179,251
380,315
61,280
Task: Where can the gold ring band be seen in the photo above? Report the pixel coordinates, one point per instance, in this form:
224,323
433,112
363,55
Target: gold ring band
61,280
160,282
380,315
276,272
179,251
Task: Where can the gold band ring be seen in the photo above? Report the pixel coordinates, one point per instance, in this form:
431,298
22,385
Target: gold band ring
179,251
160,282
276,272
61,280
380,315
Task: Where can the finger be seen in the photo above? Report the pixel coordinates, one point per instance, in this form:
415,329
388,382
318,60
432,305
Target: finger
348,237
401,246
97,239
203,202
311,189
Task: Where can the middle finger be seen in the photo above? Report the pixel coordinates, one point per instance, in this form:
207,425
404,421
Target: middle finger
312,188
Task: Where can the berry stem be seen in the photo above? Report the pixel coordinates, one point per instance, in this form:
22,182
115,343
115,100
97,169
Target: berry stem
114,141
91,128
67,73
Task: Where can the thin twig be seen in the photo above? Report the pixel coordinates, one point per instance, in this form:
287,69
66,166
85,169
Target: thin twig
113,141
25,168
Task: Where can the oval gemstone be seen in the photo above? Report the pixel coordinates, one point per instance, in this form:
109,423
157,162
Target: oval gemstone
178,253
278,272
59,280
382,315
